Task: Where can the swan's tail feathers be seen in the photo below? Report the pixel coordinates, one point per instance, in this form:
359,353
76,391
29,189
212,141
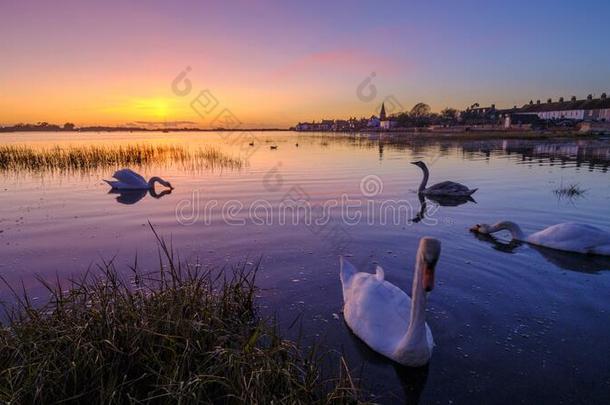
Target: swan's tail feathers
380,273
347,271
471,192
112,184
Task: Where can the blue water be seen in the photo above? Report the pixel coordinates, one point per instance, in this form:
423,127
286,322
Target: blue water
512,324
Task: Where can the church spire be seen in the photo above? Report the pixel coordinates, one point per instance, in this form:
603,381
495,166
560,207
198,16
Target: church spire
382,116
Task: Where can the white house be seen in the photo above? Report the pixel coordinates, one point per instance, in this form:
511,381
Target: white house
589,109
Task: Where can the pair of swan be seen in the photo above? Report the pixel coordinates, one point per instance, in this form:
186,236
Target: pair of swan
394,325
568,237
127,179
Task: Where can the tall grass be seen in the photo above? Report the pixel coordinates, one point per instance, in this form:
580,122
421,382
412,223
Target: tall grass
86,158
177,335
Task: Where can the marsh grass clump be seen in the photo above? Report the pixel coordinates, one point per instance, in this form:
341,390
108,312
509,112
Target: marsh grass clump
212,158
570,191
86,158
178,335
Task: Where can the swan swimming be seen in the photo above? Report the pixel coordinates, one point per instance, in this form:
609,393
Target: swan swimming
130,180
569,237
384,317
445,188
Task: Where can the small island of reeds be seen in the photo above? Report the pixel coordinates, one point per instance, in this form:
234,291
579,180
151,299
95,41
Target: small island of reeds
570,191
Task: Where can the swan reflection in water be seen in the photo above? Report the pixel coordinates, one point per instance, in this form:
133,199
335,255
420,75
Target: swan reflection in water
442,201
130,197
412,379
450,201
564,260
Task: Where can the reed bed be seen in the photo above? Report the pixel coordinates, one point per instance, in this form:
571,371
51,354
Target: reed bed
87,158
177,335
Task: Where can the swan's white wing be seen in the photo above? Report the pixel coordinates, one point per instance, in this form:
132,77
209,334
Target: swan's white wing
346,273
378,312
129,177
571,237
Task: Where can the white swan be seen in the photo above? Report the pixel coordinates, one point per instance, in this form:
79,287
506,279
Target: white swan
130,180
384,317
569,237
446,188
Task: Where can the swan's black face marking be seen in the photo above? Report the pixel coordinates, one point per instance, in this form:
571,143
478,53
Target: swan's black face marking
478,228
418,163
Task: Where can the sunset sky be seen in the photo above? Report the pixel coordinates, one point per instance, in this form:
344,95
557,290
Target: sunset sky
274,63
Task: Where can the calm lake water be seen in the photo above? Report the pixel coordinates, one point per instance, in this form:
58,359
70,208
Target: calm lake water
512,324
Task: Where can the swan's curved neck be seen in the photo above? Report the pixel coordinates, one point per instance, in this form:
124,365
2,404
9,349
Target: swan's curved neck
153,193
514,229
415,338
153,180
424,181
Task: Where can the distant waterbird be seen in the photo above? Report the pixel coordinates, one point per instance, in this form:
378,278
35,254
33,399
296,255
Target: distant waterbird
446,188
568,237
384,316
127,179
273,147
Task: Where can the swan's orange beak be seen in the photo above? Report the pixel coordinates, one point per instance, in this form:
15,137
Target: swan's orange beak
430,248
428,278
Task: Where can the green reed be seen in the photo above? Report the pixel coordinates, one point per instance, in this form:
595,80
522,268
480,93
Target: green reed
180,334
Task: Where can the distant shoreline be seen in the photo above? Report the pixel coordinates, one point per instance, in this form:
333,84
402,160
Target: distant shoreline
136,129
394,135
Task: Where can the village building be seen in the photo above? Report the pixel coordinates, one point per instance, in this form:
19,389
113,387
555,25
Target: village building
589,109
385,122
373,122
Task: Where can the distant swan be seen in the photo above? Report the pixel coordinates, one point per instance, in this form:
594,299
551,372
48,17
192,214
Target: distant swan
446,188
569,237
130,180
384,317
